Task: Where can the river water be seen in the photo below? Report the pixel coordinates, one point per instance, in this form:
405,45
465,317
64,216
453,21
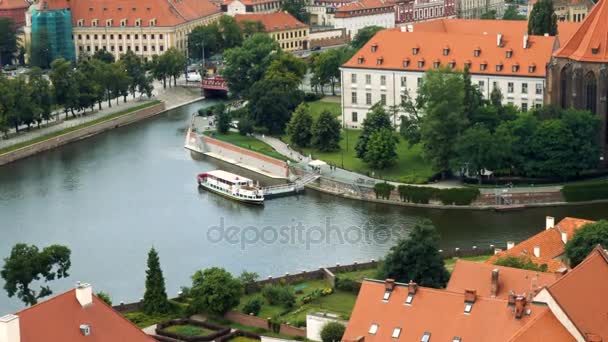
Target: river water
112,197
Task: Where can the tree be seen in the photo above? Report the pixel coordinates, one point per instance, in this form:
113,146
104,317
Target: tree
135,68
206,37
491,14
64,85
326,132
409,127
272,100
155,297
332,332
511,13
253,306
105,297
174,63
41,92
27,264
326,66
245,125
223,118
522,262
251,27
585,239
299,127
473,98
41,50
104,56
417,258
215,291
297,8
542,19
247,64
364,35
478,149
442,98
8,41
376,119
287,64
249,281
230,32
381,149
161,68
121,81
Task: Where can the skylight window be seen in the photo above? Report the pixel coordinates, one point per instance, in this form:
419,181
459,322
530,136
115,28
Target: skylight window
396,333
415,50
373,329
515,68
409,299
387,295
468,307
456,339
477,52
426,337
532,68
360,60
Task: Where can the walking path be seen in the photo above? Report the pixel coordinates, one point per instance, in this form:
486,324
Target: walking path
172,97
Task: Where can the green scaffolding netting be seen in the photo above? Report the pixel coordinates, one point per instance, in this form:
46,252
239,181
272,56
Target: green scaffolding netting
54,26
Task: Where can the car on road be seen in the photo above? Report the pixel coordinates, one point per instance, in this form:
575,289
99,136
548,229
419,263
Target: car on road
316,48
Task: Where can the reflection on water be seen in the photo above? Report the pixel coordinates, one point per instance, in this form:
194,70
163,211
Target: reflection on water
113,196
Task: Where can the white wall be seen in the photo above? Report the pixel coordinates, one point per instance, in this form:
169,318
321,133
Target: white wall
315,323
354,24
236,7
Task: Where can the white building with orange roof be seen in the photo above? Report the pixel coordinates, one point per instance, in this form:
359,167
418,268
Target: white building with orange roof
234,7
289,32
498,54
362,13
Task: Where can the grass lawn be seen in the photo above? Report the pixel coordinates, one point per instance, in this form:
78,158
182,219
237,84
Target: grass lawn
82,125
359,275
316,107
249,143
410,166
243,339
143,320
450,263
189,330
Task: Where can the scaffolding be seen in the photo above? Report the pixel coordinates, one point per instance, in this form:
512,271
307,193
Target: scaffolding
54,26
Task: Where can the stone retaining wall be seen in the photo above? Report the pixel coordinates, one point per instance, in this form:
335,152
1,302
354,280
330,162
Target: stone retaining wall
82,133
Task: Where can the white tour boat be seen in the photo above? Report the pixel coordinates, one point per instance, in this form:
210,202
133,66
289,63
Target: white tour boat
232,186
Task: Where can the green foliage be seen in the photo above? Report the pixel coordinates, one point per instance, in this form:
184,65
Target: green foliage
522,262
249,281
8,40
297,8
279,295
204,41
251,27
417,258
381,149
214,291
326,132
458,196
417,194
332,332
223,118
41,50
104,297
585,191
286,64
488,15
377,118
253,306
27,264
299,127
230,32
348,285
542,19
364,35
383,190
585,239
478,149
155,297
104,56
325,66
245,125
511,13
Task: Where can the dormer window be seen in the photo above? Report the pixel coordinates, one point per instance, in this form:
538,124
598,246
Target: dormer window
426,337
515,67
509,53
379,61
360,60
421,63
80,22
123,22
415,50
138,22
396,333
152,22
373,329
595,50
446,51
374,47
436,64
109,22
406,62
477,52
499,67
532,68
387,295
94,22
457,339
452,64
467,64
483,66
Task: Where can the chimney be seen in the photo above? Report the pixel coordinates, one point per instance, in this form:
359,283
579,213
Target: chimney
549,222
497,250
499,39
562,271
537,251
511,300
403,29
564,237
526,38
494,289
520,303
470,296
84,294
510,244
389,284
9,328
410,28
412,287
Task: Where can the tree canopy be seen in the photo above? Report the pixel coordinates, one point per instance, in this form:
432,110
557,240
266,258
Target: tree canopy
326,132
377,118
155,297
299,128
381,150
585,239
215,291
522,262
364,35
542,19
27,264
297,8
511,13
8,41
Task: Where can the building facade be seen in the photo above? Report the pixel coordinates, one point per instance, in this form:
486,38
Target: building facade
391,65
362,13
578,72
474,9
410,11
234,7
568,10
14,10
291,34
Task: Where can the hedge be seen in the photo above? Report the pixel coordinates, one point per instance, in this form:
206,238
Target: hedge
383,190
424,194
348,285
585,191
458,196
417,194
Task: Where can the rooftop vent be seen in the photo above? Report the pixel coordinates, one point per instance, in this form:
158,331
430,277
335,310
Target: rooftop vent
426,337
510,244
85,329
470,295
511,298
549,222
526,41
564,237
84,294
520,303
9,328
389,284
494,283
499,39
537,251
373,329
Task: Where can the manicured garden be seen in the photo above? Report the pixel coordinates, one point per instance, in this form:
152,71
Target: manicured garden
189,330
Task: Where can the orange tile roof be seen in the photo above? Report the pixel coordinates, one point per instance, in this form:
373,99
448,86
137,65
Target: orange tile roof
365,4
583,294
277,21
394,47
166,12
590,42
249,2
478,276
550,243
439,312
546,328
13,4
59,318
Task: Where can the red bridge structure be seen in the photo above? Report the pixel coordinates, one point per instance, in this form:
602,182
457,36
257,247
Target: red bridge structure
214,86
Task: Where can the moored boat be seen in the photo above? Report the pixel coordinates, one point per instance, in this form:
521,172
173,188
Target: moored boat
232,186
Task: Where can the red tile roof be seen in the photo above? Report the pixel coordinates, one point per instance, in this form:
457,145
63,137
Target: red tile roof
166,12
393,47
249,2
478,276
59,318
583,294
546,328
590,42
13,4
550,243
440,313
277,21
365,4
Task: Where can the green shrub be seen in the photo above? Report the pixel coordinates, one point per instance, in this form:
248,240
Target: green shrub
310,97
332,332
260,130
416,194
279,295
299,323
104,297
522,262
253,306
349,285
383,190
458,196
585,191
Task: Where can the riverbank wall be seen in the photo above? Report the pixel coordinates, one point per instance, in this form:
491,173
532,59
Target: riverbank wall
82,133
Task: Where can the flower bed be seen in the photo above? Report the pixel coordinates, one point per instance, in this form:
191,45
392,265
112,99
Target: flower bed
241,336
191,330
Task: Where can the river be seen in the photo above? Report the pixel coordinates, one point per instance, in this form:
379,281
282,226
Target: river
112,197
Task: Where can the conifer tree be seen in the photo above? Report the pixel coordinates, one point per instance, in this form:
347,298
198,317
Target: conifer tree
155,297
